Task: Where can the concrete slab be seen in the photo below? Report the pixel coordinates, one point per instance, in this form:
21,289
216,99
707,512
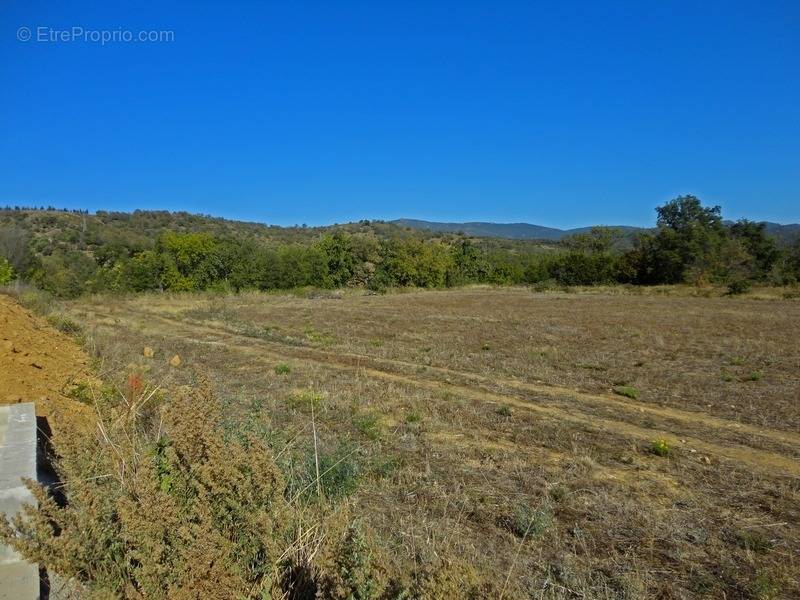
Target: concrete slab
19,580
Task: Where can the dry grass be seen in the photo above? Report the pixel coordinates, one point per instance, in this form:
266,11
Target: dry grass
482,424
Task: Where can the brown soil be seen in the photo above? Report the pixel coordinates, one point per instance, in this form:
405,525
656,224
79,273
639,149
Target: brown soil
40,364
481,404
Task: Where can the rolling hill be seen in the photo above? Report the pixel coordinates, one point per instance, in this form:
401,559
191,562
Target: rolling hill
528,231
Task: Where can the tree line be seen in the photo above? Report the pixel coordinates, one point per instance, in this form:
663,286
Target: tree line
690,243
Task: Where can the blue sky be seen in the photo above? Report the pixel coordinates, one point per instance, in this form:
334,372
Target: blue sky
557,113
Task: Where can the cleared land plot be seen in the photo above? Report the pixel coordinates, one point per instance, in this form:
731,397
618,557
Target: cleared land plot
513,429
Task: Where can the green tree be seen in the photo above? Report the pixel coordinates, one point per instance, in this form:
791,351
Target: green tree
6,272
192,260
340,260
145,271
64,274
469,263
793,262
760,246
15,248
687,244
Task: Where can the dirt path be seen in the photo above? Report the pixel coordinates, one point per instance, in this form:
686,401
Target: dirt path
548,401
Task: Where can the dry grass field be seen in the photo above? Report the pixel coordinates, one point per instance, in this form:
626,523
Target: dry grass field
553,445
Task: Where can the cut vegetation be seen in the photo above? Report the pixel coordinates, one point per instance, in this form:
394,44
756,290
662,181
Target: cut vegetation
471,438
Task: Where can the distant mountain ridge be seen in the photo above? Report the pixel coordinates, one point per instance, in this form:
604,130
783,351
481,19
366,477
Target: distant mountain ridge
529,231
514,231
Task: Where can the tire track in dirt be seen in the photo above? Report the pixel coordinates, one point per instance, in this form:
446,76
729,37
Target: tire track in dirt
254,346
591,398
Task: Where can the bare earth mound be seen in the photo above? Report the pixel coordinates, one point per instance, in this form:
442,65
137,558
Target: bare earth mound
39,364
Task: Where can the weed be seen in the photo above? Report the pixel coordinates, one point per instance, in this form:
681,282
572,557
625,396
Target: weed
764,587
754,376
339,472
590,367
64,324
318,337
530,522
627,391
557,493
384,467
305,400
413,417
754,541
726,376
369,425
660,447
282,369
82,392
504,411
350,573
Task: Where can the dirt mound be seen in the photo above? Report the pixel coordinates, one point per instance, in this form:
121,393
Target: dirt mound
40,364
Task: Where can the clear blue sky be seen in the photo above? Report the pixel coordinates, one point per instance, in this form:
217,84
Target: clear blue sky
556,113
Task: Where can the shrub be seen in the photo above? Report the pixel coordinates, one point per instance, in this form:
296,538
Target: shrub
738,286
6,272
155,512
413,417
627,391
753,540
349,573
530,522
369,425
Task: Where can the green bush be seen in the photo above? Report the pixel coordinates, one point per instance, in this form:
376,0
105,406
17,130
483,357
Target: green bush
738,286
660,447
530,522
369,425
504,411
6,272
627,391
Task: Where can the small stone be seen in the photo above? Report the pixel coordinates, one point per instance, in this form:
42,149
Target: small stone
175,361
148,352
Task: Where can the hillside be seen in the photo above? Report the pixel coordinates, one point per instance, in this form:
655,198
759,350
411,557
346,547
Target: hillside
49,230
